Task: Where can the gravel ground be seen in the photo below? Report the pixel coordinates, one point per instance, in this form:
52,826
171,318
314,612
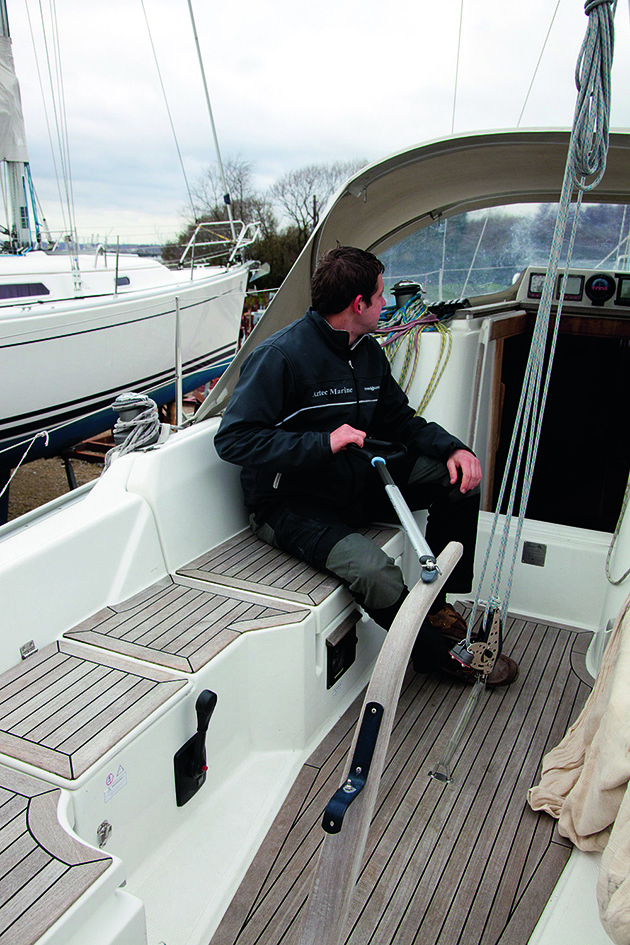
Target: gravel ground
37,483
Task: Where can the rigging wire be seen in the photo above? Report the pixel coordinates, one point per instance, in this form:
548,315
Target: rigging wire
46,117
64,148
615,251
585,166
535,73
168,111
43,434
55,78
226,195
459,46
477,248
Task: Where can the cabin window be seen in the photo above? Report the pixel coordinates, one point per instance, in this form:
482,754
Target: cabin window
23,289
483,251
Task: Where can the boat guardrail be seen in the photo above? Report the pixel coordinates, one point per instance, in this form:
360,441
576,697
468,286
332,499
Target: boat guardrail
219,243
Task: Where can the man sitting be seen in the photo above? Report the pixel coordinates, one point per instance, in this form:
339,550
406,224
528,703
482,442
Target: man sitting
304,395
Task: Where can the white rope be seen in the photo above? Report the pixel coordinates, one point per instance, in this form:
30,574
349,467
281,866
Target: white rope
586,159
30,443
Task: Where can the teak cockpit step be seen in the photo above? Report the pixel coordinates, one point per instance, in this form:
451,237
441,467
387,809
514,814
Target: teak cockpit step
62,708
246,562
43,870
179,626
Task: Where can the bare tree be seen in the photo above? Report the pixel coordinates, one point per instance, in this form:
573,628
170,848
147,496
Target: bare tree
303,193
247,204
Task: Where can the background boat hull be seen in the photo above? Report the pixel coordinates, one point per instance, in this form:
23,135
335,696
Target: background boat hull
64,363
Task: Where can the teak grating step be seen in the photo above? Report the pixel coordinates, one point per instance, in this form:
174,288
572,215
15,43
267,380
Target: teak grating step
63,708
43,870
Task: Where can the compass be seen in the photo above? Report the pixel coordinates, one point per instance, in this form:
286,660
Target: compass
600,288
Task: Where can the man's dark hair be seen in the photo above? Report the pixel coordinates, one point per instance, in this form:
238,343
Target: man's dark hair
341,275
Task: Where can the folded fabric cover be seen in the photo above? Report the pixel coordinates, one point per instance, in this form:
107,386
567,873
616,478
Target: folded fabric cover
584,781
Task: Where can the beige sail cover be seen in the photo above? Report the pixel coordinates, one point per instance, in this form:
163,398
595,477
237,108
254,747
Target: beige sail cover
584,782
12,134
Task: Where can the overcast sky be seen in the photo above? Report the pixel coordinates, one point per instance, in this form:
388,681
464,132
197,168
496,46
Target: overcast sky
290,84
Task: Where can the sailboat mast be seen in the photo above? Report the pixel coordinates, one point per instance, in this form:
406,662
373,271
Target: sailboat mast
226,197
13,144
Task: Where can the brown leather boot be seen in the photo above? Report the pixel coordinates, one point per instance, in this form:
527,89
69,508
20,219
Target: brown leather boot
449,622
504,672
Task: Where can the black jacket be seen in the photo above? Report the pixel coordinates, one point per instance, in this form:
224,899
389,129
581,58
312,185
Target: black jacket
295,389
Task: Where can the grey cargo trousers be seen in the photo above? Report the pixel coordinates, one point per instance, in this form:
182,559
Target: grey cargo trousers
327,537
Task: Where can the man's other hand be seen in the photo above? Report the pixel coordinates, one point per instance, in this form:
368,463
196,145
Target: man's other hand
470,467
343,436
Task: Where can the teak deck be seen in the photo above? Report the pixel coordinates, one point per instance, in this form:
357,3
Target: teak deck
43,870
182,621
445,865
181,627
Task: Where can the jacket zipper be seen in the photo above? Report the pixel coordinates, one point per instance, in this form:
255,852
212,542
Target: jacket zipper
356,394
356,391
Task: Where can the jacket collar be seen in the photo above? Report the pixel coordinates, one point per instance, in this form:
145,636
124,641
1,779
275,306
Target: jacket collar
337,339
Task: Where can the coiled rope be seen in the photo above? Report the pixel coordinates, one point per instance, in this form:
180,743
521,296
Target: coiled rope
585,167
407,325
141,430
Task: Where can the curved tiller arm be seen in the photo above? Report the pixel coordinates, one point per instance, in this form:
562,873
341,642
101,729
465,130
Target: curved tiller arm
347,824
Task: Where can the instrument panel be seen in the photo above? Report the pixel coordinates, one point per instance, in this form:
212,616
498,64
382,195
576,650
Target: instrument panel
585,287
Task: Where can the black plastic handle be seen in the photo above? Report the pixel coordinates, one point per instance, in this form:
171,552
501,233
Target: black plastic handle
204,707
190,759
382,448
359,768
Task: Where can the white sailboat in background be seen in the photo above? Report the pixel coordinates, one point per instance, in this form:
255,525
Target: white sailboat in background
80,325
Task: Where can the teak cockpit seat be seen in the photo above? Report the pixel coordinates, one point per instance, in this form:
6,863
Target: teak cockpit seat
64,707
239,586
247,562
